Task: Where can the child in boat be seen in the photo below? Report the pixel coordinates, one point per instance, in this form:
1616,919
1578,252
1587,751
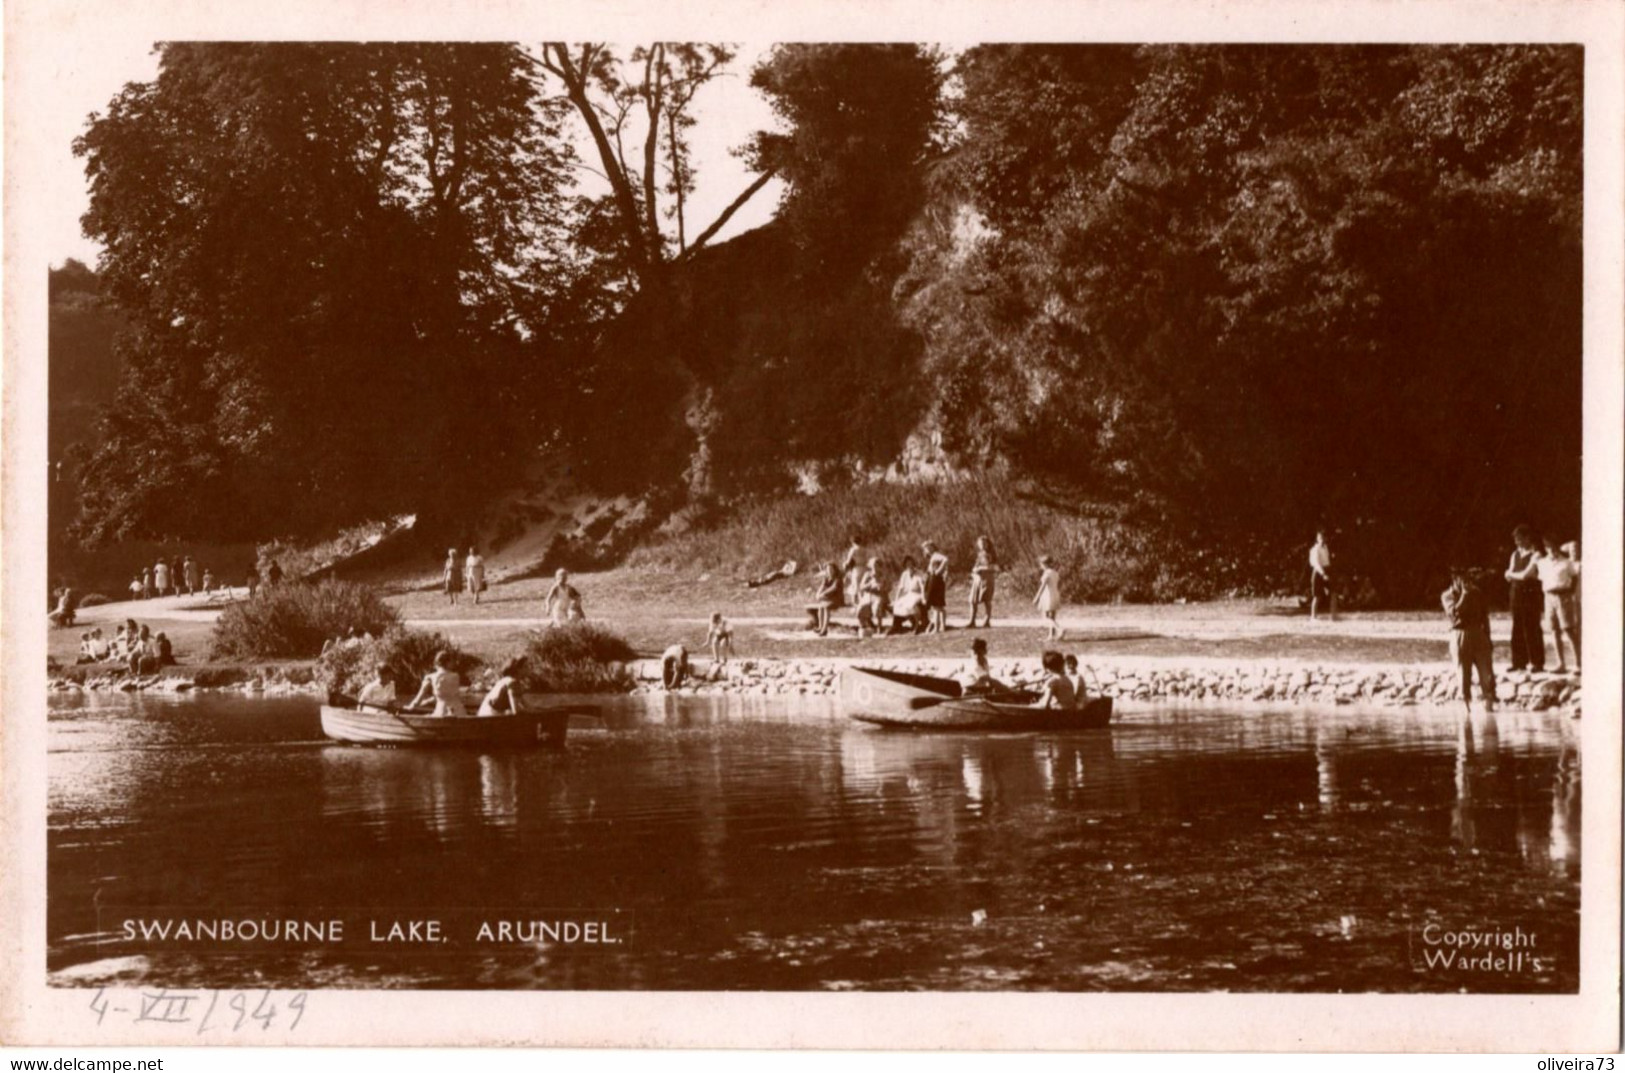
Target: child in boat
1048,598
380,692
720,639
979,677
981,582
444,686
1073,675
503,698
1057,690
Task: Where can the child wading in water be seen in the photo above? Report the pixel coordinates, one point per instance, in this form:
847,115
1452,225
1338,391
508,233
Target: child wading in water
1048,598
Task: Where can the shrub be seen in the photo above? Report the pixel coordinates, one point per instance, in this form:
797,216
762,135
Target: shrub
409,654
291,620
578,657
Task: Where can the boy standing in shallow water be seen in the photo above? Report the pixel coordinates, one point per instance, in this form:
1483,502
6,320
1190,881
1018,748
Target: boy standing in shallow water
1470,636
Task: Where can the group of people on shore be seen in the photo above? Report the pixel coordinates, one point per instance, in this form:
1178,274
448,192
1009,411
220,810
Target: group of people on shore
463,574
175,576
1544,588
916,601
134,646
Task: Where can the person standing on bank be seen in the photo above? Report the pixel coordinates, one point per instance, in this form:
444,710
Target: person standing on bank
1523,576
1048,597
452,576
1470,648
981,582
1320,579
474,572
1558,579
936,589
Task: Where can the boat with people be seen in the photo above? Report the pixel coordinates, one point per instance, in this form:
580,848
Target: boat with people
366,725
921,702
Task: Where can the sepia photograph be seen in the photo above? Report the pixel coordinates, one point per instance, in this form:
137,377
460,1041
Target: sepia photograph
933,512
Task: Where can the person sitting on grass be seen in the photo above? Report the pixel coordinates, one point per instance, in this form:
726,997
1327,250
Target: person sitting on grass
143,658
908,599
166,651
444,686
380,692
84,649
99,648
67,606
1057,691
871,599
720,639
503,697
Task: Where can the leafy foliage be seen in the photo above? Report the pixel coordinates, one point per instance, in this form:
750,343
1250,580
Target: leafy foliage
577,657
409,654
325,253
292,620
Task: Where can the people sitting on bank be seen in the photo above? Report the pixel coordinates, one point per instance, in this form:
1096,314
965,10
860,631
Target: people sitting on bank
1048,597
563,602
908,599
1321,598
871,599
143,652
1523,579
786,569
936,589
826,599
96,647
503,696
166,651
674,667
982,574
380,692
1057,691
474,573
1558,582
1470,650
720,639
444,686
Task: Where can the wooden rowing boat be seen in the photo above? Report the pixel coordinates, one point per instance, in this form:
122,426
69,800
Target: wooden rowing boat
892,699
373,726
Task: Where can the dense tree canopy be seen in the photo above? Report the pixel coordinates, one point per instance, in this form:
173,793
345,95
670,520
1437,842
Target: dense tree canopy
327,257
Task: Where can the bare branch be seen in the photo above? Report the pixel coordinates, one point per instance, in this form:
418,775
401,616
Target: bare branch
727,213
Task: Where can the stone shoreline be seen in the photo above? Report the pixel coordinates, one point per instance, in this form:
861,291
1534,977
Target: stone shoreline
1127,678
1157,678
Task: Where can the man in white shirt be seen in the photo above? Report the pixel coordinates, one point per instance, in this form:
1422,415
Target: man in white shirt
1558,578
1320,579
380,692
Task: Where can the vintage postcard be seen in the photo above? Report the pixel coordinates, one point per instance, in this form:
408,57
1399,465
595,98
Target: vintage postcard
885,525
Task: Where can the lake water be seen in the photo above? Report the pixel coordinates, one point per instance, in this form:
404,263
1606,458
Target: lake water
747,844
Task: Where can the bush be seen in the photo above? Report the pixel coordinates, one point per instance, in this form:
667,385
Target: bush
291,620
409,654
578,657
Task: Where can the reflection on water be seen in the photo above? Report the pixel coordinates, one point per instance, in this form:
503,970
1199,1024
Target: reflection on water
769,844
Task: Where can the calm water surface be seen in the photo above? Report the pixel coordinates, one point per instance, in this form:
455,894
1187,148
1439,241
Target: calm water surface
762,844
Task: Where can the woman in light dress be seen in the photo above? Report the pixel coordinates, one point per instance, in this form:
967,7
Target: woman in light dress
871,599
444,686
563,601
474,573
503,697
908,598
1048,598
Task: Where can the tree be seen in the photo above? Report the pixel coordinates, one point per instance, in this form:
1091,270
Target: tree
317,247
